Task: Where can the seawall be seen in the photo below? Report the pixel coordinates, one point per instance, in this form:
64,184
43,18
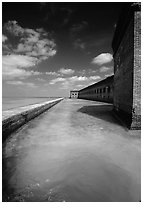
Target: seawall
14,118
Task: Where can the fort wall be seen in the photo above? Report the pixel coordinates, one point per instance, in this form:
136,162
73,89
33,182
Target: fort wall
15,118
127,67
101,91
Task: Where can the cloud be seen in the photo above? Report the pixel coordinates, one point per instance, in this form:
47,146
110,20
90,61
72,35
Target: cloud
77,34
80,85
25,48
17,83
41,80
19,61
52,73
31,42
78,78
68,83
106,69
60,72
66,71
102,59
79,44
76,29
68,12
94,77
108,75
59,79
14,66
4,38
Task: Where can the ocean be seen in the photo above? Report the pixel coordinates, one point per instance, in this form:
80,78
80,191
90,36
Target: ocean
11,103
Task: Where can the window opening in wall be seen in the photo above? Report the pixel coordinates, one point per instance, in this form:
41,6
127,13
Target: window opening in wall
108,89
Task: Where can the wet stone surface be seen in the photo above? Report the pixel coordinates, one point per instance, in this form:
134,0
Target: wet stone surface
76,151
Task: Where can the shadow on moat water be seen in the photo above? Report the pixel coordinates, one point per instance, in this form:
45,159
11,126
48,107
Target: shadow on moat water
103,112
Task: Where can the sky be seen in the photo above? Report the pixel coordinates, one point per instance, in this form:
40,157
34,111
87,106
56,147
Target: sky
51,48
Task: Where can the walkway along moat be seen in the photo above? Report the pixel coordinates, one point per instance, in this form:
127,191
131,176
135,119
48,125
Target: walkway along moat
76,151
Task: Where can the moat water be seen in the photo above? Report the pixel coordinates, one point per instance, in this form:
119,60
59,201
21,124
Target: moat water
75,152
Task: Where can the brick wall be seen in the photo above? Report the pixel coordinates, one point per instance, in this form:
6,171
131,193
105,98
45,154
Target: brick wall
123,72
100,91
136,112
127,73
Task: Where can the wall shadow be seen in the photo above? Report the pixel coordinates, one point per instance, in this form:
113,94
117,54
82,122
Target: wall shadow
104,112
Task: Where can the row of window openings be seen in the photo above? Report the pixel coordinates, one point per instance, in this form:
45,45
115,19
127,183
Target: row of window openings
100,90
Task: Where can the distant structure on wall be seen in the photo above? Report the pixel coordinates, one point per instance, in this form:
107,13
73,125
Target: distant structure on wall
100,91
127,66
73,94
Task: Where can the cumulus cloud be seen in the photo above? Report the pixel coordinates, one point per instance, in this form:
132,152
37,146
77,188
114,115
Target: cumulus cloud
66,71
102,59
27,48
35,43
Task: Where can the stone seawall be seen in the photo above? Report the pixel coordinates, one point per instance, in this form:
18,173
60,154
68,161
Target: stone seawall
15,118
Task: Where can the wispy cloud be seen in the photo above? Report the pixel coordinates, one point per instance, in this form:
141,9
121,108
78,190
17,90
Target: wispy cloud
63,13
79,44
76,29
106,69
21,83
103,58
76,33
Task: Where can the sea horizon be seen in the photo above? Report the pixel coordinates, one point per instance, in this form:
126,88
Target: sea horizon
16,102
